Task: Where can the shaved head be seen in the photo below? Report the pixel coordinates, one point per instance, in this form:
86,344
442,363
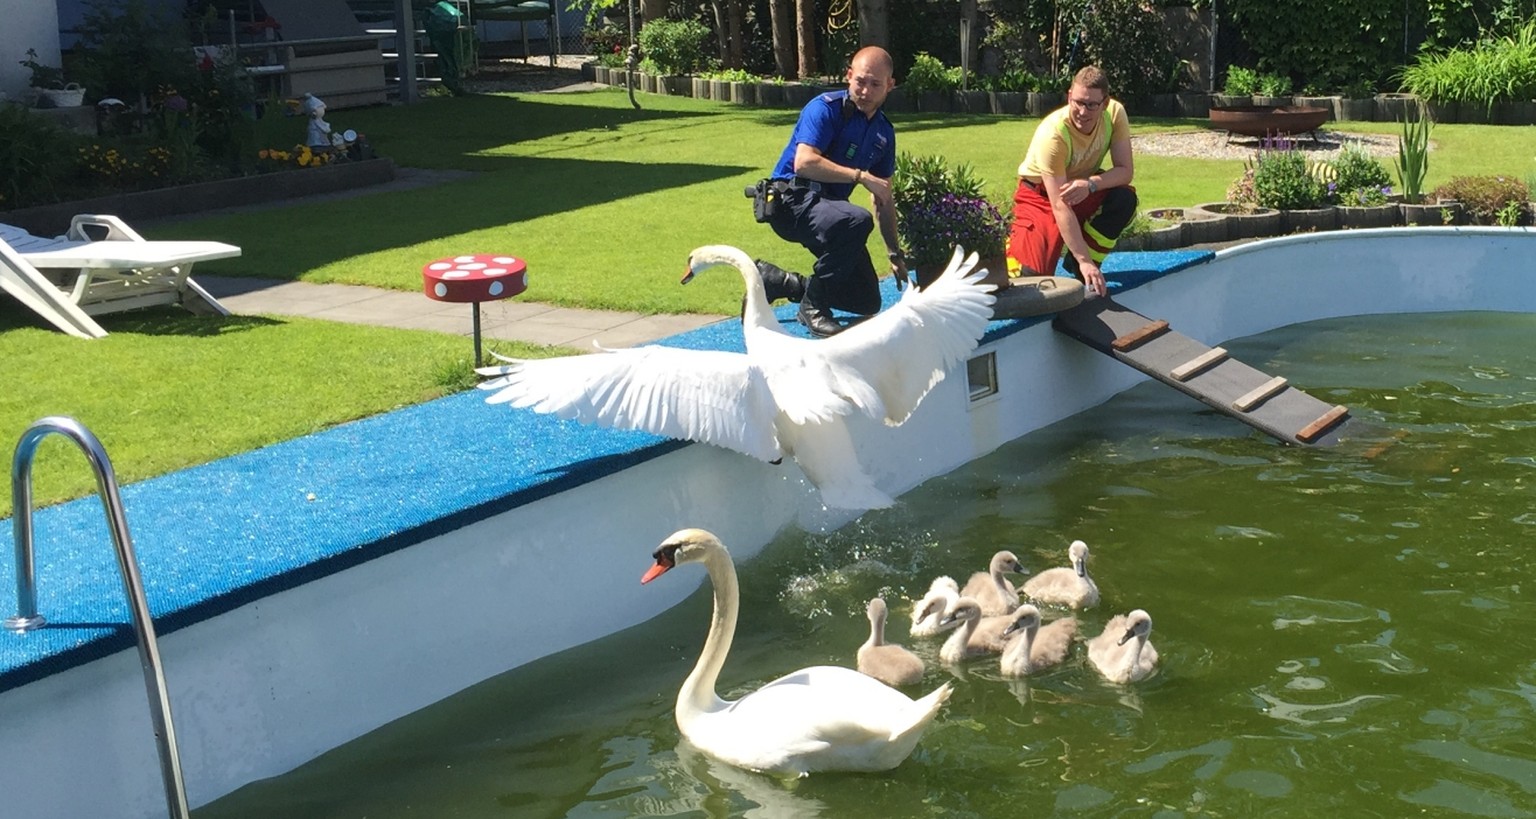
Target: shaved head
874,59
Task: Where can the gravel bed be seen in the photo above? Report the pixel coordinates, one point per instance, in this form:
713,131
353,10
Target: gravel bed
1217,145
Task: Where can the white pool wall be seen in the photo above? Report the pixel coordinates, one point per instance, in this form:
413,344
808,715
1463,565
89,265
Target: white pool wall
269,686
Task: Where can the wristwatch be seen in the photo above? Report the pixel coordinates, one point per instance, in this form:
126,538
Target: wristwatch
1093,187
896,256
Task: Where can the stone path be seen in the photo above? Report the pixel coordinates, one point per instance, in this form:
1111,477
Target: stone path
509,320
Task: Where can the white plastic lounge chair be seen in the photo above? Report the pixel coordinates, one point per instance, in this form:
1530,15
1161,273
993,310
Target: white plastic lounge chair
102,266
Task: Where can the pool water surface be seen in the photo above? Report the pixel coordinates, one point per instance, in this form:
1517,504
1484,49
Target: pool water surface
1342,631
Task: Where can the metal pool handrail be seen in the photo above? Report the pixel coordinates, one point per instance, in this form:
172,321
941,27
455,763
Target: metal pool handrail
27,616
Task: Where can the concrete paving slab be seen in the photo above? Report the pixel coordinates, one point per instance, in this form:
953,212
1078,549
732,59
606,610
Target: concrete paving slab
509,320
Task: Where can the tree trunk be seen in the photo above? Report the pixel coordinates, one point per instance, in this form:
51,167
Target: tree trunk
874,24
782,13
652,10
805,32
735,56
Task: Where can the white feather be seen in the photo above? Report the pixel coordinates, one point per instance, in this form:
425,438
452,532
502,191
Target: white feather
786,395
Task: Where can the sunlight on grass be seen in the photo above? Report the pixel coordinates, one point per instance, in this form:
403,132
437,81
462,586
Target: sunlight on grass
167,389
604,202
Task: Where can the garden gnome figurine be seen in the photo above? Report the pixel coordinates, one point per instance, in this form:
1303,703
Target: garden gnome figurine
319,130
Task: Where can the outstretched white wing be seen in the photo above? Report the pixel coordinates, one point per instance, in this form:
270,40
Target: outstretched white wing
712,397
903,352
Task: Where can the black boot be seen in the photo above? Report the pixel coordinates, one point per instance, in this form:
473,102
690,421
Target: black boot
814,312
779,283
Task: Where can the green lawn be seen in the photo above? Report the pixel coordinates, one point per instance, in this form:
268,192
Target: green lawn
605,201
602,200
167,389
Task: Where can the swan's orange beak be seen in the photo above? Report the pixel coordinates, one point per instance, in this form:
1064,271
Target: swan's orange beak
654,572
687,277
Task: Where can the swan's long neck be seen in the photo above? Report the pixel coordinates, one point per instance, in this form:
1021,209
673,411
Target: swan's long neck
698,692
758,312
876,631
1019,654
1004,589
953,650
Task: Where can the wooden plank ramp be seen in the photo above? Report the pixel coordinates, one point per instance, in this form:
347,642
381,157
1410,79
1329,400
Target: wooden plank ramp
1267,403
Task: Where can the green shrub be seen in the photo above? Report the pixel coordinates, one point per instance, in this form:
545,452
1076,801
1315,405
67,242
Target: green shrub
1129,41
1241,82
928,73
1494,70
1485,197
674,46
1359,178
1283,180
1320,43
36,158
1274,85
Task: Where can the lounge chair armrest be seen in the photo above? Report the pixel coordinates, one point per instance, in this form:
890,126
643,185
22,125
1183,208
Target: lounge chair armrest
116,229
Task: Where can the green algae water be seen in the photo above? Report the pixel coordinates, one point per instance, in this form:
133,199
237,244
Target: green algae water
1343,632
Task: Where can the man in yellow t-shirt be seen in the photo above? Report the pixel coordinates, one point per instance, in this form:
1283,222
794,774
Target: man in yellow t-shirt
1065,197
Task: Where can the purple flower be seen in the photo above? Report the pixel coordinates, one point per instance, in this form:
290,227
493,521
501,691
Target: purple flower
176,102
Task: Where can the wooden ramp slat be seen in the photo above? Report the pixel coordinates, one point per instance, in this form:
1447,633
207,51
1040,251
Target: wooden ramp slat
1267,403
1139,336
1210,357
1256,396
1309,433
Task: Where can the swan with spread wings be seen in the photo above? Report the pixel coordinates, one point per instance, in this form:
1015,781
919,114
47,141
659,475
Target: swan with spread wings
786,395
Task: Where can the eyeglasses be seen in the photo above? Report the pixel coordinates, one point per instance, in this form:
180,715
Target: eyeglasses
1088,104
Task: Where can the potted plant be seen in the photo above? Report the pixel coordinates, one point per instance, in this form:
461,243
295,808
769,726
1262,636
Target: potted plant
939,206
1242,83
50,85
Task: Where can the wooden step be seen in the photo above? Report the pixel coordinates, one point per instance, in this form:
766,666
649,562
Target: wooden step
1208,374
1309,433
1140,336
1259,394
1199,363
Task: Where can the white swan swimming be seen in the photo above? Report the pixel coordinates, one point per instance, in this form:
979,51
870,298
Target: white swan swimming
1065,586
1033,648
927,612
991,590
887,662
822,718
1123,653
787,395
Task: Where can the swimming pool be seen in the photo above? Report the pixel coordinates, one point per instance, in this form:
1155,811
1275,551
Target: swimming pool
425,603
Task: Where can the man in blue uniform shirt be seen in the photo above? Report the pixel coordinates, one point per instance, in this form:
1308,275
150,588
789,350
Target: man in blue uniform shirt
842,142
